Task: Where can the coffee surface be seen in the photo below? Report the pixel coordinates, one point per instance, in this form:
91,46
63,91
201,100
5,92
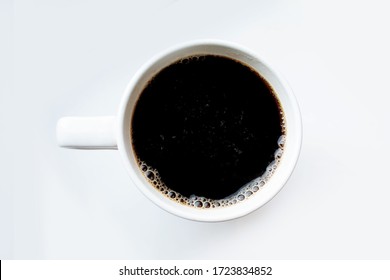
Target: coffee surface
206,126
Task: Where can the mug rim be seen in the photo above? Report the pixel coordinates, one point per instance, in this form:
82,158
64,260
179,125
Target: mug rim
184,211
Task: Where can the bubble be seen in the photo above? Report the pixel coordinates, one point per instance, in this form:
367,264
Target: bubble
185,60
198,204
282,141
278,153
240,197
261,183
149,174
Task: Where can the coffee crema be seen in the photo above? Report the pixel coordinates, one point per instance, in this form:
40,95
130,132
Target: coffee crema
208,131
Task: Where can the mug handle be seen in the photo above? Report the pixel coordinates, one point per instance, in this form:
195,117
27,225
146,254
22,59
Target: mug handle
87,133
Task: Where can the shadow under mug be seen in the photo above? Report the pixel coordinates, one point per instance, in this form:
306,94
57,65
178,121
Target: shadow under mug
113,132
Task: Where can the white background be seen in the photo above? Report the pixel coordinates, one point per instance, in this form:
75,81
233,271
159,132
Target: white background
75,57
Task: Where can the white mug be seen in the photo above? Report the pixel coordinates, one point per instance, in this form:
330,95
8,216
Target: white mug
113,132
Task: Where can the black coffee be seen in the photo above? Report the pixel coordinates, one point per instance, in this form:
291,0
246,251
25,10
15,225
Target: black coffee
208,131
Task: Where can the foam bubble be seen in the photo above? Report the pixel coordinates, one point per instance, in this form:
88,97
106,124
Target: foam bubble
245,192
150,174
282,141
172,194
278,154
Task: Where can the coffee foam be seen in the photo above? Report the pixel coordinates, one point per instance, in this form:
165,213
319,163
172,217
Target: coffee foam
245,192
